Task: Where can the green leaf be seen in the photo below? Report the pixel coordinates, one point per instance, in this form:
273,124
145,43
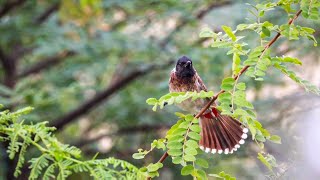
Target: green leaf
264,161
227,87
201,175
191,151
154,108
228,80
242,27
153,174
178,138
225,96
154,167
179,131
23,111
189,157
176,160
223,175
266,31
221,44
256,52
229,32
189,117
194,135
253,131
151,101
191,143
259,79
275,139
195,128
186,170
195,121
174,152
260,138
184,125
138,155
202,163
180,115
174,145
236,63
241,86
292,60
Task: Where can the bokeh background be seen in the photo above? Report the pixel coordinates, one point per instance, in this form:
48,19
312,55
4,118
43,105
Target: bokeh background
88,66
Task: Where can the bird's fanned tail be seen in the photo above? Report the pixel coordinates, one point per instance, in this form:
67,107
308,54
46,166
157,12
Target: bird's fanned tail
220,133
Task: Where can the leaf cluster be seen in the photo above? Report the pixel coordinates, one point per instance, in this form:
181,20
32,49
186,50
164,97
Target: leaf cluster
56,160
176,98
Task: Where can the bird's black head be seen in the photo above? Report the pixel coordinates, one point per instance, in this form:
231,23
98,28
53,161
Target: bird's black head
184,68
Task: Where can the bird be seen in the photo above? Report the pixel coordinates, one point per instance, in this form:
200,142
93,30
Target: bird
219,133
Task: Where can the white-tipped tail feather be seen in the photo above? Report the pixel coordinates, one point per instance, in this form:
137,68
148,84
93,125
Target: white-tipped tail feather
213,151
221,134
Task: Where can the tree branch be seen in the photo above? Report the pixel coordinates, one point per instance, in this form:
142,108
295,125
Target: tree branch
9,67
45,63
20,51
100,97
165,155
46,14
10,5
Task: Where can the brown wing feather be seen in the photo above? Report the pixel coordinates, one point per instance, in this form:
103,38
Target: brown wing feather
202,85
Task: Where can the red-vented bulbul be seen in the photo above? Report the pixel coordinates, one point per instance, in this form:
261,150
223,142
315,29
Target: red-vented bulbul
219,133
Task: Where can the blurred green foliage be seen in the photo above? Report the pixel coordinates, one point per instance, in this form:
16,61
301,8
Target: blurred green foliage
57,55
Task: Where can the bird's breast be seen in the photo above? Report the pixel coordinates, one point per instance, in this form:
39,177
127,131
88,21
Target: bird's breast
185,85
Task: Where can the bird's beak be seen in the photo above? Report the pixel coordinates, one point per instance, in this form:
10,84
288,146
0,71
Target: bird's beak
188,64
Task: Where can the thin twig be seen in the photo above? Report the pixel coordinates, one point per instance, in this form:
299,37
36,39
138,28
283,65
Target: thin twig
165,155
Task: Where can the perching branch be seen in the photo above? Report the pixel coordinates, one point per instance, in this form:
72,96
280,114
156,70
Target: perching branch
272,41
10,5
100,97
